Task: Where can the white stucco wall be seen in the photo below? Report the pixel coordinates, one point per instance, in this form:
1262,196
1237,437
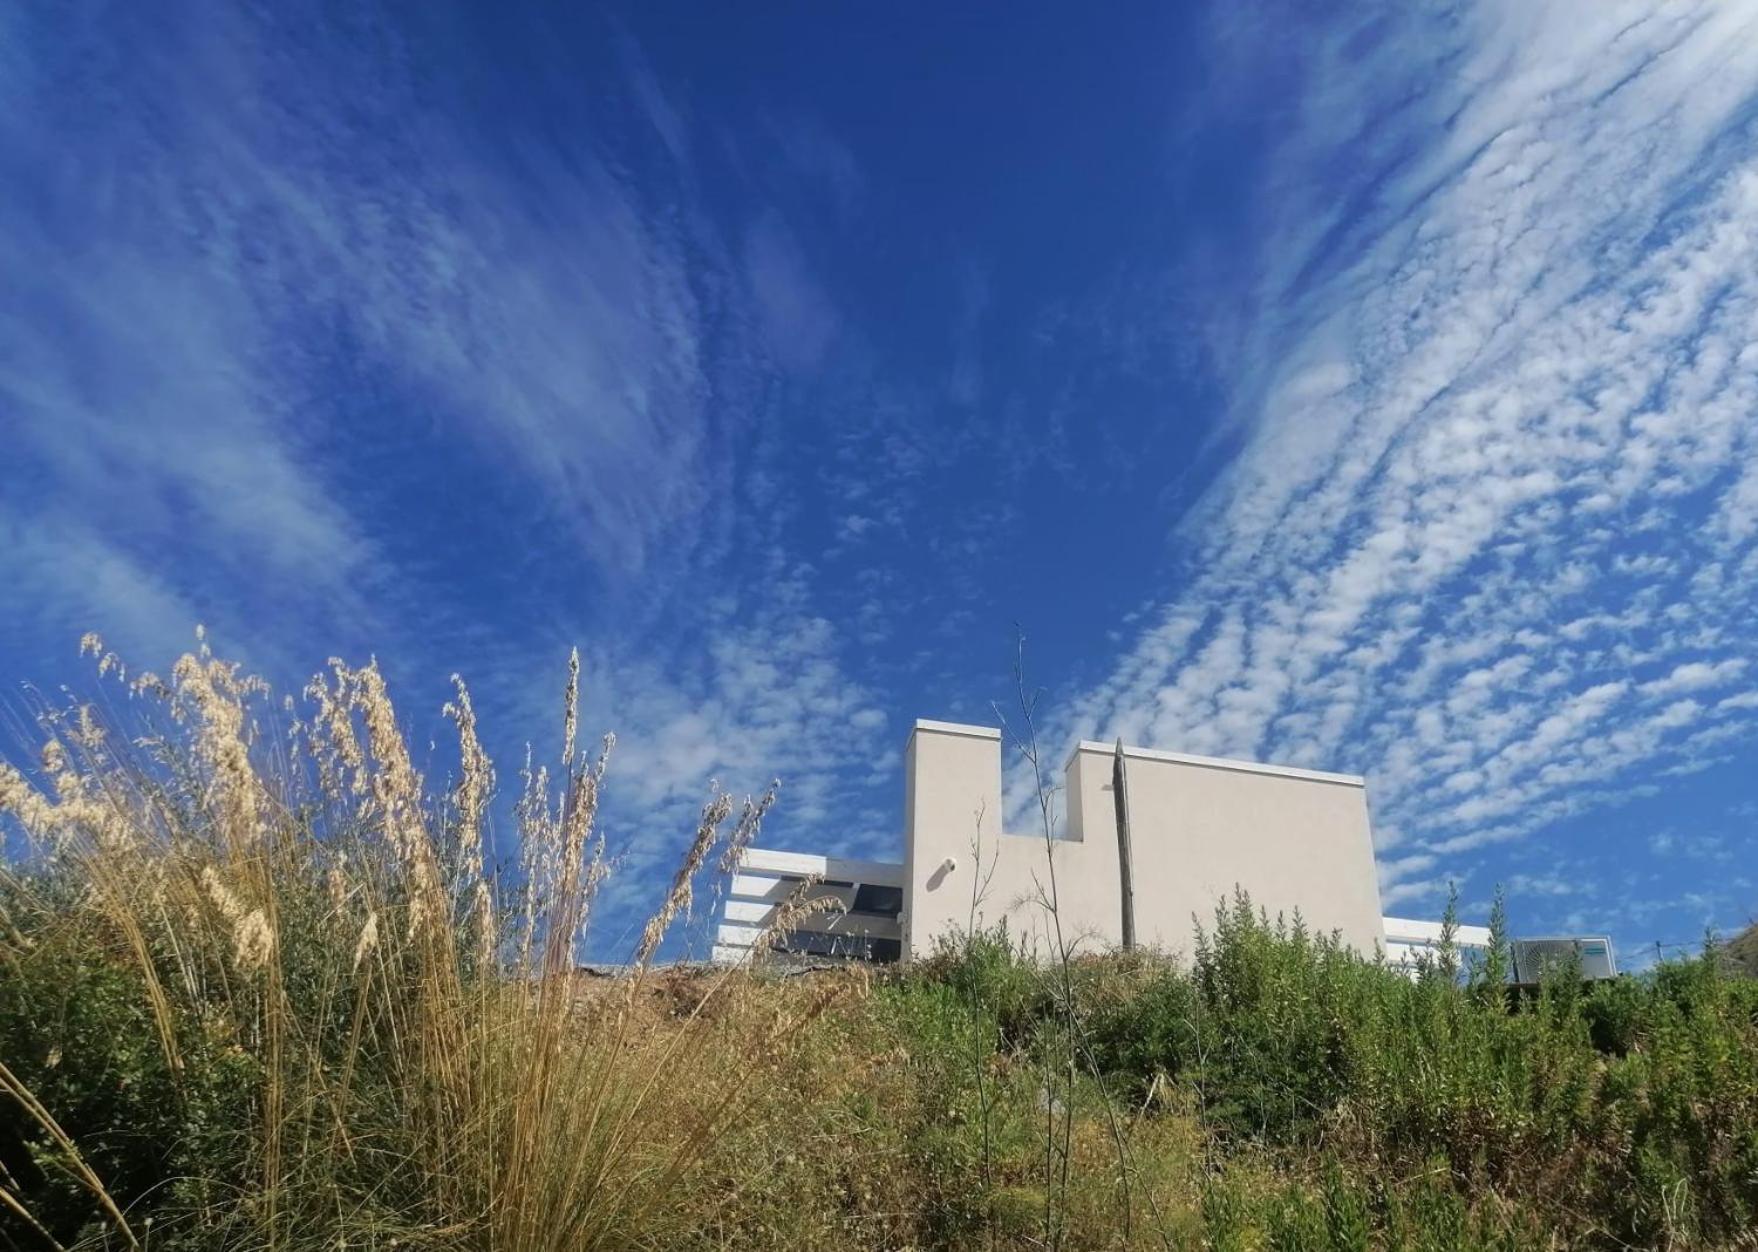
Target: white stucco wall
1293,839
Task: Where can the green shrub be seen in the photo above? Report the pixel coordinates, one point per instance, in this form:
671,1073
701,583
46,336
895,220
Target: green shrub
1635,1100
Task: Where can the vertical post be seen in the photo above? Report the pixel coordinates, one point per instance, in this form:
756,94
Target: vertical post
1126,881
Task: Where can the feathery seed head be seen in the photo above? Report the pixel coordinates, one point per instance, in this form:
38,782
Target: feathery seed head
214,693
253,941
222,897
368,940
750,822
571,707
475,780
681,895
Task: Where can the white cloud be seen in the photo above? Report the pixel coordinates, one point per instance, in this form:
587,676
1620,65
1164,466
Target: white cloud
1542,885
63,577
1423,889
1696,676
210,287
1538,344
769,699
1393,870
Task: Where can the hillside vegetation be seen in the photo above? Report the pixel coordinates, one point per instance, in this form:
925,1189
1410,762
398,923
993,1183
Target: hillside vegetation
261,986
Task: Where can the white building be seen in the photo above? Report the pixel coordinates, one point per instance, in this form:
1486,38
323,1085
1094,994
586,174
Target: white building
1199,828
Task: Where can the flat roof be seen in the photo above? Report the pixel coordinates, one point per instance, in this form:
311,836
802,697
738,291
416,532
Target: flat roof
955,728
1217,762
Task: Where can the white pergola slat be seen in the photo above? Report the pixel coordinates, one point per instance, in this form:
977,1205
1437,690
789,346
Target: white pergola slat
1404,930
834,868
766,878
1408,941
775,890
830,923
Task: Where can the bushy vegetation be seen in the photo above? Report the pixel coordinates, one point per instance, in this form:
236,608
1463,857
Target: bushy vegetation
262,987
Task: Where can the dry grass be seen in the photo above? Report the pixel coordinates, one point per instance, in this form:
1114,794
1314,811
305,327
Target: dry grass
422,1062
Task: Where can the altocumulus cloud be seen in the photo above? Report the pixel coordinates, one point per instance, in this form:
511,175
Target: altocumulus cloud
1490,536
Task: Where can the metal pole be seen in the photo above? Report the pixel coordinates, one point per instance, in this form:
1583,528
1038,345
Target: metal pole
1120,794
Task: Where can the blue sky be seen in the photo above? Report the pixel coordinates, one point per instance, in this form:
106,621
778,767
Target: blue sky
1365,387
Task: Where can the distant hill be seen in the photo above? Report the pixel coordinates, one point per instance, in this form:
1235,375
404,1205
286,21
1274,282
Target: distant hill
1742,951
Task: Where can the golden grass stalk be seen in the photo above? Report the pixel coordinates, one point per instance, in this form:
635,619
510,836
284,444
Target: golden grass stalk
11,1086
407,1009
